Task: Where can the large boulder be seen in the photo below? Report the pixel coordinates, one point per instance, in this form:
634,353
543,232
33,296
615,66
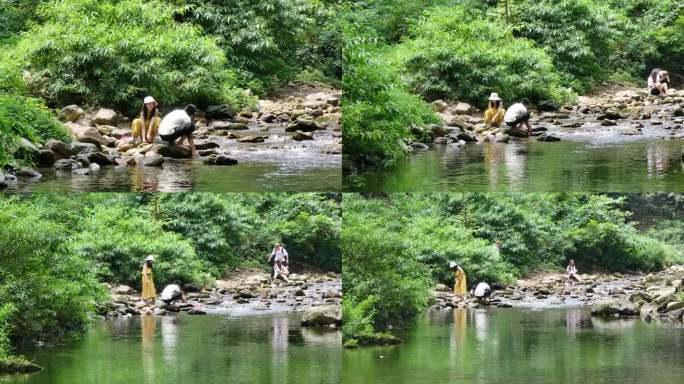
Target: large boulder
81,148
206,145
174,151
324,315
26,150
99,158
61,149
302,124
548,137
219,160
72,112
614,308
45,158
85,134
106,116
153,160
463,109
218,112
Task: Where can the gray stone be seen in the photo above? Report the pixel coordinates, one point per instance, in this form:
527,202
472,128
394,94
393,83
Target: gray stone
223,111
324,315
300,136
72,112
61,149
174,151
219,160
106,116
154,160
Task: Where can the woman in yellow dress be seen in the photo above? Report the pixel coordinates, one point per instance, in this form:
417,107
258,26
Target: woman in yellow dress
494,114
146,126
460,286
148,291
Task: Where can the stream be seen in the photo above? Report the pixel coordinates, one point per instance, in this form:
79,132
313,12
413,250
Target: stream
207,349
523,345
631,156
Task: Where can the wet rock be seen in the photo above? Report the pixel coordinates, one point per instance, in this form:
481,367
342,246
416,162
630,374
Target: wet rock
614,308
300,136
208,152
678,111
99,158
153,160
610,114
222,125
206,145
419,146
608,123
324,315
45,158
437,130
218,112
174,151
219,160
269,118
26,149
72,112
519,133
61,149
252,139
463,109
302,124
67,165
106,116
196,311
332,149
85,134
28,173
548,138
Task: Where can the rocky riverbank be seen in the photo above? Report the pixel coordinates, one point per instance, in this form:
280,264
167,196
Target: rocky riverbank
655,296
302,121
622,111
244,293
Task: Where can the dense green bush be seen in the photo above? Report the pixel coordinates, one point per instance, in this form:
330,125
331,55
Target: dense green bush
117,51
27,118
14,15
452,53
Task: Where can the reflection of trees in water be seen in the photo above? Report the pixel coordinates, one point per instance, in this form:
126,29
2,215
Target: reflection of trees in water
168,179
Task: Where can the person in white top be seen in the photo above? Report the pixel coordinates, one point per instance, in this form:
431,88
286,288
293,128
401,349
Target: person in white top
482,292
279,259
517,115
178,124
658,82
572,271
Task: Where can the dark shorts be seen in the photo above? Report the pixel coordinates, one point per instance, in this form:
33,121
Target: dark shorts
187,130
521,119
655,91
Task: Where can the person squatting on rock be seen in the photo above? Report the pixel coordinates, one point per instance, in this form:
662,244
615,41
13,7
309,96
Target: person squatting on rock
658,82
179,124
482,293
171,293
517,115
148,290
279,260
494,115
146,126
572,271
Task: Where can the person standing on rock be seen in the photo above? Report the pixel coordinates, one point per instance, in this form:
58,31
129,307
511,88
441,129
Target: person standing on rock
460,285
658,82
494,115
146,126
148,290
517,115
178,124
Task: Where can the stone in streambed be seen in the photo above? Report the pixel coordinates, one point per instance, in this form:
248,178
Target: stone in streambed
302,124
206,145
174,151
324,315
332,149
223,111
219,160
72,112
99,158
153,160
300,136
106,116
251,139
61,149
548,138
614,308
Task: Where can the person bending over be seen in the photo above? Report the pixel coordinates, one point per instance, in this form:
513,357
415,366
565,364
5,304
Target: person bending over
178,124
658,82
517,115
482,292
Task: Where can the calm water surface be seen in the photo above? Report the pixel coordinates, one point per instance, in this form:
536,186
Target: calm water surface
186,349
523,346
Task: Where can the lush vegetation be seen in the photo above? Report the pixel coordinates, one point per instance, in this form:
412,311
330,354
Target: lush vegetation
64,246
545,50
396,247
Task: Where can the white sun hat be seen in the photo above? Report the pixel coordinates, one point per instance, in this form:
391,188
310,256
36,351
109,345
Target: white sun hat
149,99
452,264
494,97
150,258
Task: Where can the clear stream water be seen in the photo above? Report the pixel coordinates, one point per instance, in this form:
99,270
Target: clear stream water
590,158
185,349
523,346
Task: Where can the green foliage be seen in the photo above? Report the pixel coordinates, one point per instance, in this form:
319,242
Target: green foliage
397,246
14,15
117,51
22,117
452,53
670,232
377,111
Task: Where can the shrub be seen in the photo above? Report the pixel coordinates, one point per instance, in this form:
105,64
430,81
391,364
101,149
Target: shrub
22,117
452,53
115,52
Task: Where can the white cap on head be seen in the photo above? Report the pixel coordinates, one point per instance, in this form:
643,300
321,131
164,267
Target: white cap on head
149,99
452,264
494,97
150,258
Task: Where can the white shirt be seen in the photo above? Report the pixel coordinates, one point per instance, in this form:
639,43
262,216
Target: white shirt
571,269
514,112
651,83
482,289
174,120
279,254
170,291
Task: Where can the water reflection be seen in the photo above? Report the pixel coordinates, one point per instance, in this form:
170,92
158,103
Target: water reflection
149,326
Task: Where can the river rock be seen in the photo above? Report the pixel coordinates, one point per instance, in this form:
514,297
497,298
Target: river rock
85,134
206,145
439,105
174,151
463,109
302,124
332,149
519,133
45,158
26,149
80,148
72,112
219,160
324,315
222,125
437,130
67,165
99,158
548,137
614,308
300,136
61,149
610,114
106,116
252,139
218,112
153,160
678,111
28,173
